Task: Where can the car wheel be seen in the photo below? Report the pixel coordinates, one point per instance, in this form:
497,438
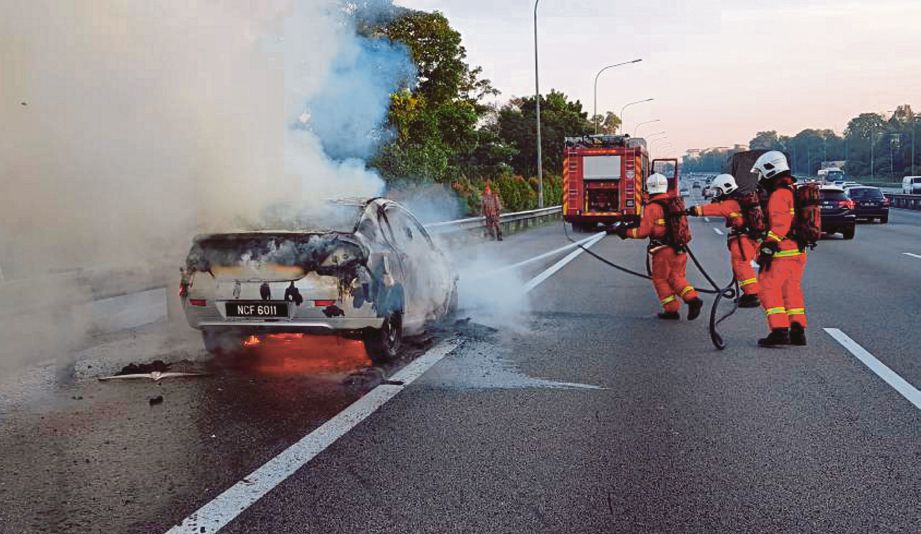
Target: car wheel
848,233
222,343
383,344
884,220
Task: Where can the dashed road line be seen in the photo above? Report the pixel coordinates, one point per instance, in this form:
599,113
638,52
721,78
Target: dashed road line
231,503
553,269
718,231
912,255
897,382
706,219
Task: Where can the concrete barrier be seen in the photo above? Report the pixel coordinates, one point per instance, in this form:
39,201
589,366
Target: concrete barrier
909,202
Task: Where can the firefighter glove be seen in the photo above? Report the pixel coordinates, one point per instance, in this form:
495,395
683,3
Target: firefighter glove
691,211
766,254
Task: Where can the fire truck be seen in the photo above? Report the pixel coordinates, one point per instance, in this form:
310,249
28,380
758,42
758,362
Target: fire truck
604,177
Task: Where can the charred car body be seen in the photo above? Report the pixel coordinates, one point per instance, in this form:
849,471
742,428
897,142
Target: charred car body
369,271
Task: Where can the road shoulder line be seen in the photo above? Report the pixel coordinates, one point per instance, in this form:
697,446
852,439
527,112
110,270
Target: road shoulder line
556,267
232,502
891,377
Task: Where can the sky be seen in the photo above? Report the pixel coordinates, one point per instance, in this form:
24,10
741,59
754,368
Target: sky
719,70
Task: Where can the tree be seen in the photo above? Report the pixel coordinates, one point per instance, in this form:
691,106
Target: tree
560,118
609,123
765,141
434,121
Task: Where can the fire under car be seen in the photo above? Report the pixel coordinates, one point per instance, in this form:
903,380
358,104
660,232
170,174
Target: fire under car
368,270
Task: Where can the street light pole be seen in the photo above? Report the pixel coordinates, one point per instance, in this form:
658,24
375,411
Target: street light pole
595,109
637,130
540,164
627,105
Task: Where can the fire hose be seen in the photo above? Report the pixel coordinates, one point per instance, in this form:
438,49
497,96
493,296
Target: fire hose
730,292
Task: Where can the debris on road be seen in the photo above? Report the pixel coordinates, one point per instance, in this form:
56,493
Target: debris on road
156,376
156,400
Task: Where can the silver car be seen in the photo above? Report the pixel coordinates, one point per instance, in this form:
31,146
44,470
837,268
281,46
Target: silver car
368,271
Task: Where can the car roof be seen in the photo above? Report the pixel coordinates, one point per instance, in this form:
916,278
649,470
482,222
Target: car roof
832,188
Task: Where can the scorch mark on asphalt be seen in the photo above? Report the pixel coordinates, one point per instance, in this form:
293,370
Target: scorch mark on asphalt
897,382
227,506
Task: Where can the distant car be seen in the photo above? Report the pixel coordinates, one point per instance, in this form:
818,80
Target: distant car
364,269
837,212
695,185
684,192
848,184
911,185
870,203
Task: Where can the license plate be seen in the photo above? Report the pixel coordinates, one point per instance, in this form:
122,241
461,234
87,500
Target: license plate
869,204
257,309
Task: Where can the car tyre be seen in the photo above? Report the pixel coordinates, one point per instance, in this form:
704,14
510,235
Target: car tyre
383,344
884,220
848,233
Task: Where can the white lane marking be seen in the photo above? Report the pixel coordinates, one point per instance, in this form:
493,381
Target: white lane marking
553,269
228,505
718,231
912,255
706,219
549,254
897,382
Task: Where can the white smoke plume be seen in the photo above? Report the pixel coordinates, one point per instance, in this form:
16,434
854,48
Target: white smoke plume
130,126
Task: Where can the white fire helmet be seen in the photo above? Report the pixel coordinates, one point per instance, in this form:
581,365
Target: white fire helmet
770,164
656,183
725,184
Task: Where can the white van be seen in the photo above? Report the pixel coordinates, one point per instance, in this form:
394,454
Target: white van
911,185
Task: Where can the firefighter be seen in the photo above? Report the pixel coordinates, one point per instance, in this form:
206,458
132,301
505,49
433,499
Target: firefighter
492,208
780,256
669,262
741,246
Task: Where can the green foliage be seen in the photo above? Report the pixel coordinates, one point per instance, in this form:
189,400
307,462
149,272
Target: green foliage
560,118
436,121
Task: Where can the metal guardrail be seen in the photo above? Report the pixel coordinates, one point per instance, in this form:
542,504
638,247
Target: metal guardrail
908,202
473,223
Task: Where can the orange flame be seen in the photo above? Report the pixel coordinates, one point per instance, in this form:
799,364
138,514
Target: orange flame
302,354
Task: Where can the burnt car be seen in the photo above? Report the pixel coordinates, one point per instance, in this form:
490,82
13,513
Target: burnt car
367,270
870,203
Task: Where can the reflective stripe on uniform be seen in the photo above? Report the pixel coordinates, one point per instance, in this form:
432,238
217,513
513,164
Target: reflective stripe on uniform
775,311
735,215
787,253
748,282
660,222
687,290
775,237
797,311
792,211
670,298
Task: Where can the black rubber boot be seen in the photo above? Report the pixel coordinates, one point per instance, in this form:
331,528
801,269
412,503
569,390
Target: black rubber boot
694,307
669,316
749,301
777,338
797,335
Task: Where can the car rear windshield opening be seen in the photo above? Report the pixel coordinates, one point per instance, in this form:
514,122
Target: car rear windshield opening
865,192
303,250
834,195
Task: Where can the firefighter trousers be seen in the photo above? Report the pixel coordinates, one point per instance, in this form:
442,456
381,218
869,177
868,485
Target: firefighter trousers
493,228
782,291
742,252
669,279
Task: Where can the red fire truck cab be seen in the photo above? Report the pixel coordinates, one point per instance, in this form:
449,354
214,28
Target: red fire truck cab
604,177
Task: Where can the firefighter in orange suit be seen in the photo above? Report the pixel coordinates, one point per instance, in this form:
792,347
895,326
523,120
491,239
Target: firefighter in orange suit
781,258
668,264
741,246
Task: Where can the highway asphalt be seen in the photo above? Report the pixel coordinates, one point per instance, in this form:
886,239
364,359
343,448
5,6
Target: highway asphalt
575,410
